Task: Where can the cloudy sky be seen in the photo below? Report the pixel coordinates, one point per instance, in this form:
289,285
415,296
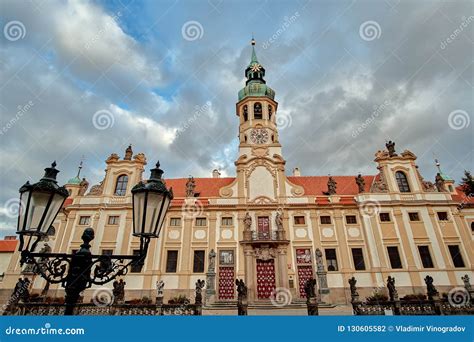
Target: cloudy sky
83,79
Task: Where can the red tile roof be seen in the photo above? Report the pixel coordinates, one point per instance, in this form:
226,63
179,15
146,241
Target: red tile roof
8,246
316,185
206,187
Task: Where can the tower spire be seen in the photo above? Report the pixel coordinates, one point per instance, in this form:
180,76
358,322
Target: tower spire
254,54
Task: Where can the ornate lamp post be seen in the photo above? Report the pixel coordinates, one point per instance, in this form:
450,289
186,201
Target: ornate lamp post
40,204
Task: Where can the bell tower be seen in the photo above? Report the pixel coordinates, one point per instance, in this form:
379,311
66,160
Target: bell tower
260,165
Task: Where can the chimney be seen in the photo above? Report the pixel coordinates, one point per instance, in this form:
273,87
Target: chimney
296,172
216,173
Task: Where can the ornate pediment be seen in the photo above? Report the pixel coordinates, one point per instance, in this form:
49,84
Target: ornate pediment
265,253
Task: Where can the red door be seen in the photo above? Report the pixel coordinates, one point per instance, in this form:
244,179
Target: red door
265,278
263,227
226,282
304,273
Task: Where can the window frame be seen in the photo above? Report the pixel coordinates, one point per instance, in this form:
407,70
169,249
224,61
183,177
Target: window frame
325,217
414,213
297,218
440,219
227,218
334,264
398,262
201,266
122,191
136,266
200,220
87,218
260,114
385,213
351,216
173,269
172,219
456,258
402,182
360,265
425,256
113,217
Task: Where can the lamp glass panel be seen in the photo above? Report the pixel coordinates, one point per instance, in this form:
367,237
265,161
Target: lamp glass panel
138,208
152,211
22,210
54,208
38,203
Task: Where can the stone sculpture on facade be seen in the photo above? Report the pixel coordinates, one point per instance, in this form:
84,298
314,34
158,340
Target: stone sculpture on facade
160,285
354,293
360,183
21,292
84,185
199,286
311,297
247,227
390,145
431,290
128,153
190,187
467,283
392,290
380,184
321,273
212,261
242,291
96,190
119,291
439,182
332,186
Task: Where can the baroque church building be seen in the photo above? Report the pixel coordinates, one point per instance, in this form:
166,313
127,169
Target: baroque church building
272,230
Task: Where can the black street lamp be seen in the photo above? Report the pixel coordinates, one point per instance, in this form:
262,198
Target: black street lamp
41,202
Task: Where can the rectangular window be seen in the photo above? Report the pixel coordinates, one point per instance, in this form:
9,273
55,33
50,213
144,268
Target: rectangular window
358,258
171,261
425,256
198,264
175,221
136,266
384,217
394,257
113,220
442,215
299,220
227,221
226,257
414,216
456,256
84,220
107,252
325,219
201,221
351,219
331,259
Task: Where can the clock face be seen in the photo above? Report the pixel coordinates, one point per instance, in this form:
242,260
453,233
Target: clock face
259,136
256,67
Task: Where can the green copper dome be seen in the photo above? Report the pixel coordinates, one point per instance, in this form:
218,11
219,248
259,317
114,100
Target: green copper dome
74,181
255,84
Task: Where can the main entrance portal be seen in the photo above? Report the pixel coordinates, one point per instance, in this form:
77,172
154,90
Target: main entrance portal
265,278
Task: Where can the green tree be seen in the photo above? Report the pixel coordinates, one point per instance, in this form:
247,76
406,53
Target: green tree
467,183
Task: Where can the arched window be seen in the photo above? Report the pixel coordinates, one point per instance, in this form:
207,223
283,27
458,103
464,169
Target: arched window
402,181
270,112
257,111
245,113
121,186
472,226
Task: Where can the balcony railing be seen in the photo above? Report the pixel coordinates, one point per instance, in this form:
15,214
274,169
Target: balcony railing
264,236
